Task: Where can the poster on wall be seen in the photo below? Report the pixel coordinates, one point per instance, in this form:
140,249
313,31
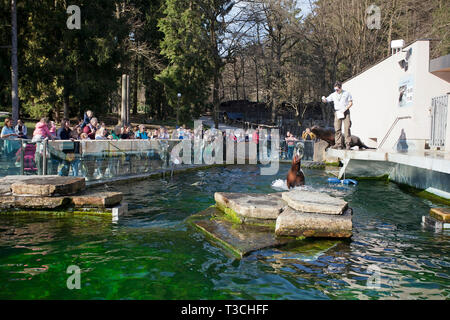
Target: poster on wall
406,92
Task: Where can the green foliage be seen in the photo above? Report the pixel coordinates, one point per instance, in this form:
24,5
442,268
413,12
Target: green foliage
36,111
186,49
177,46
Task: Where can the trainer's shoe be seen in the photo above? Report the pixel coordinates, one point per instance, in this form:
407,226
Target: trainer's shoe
336,147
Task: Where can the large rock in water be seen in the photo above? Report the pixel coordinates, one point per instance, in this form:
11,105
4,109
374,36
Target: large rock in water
97,199
240,239
48,186
32,202
441,214
251,206
314,202
6,182
296,223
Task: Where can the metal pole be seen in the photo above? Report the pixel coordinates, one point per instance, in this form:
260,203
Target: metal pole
14,64
128,100
178,109
22,155
44,158
123,116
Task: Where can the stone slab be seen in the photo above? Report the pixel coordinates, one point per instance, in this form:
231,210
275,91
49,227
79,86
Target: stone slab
314,202
7,181
240,240
115,212
31,202
252,205
436,225
296,223
97,199
5,188
49,186
119,210
441,214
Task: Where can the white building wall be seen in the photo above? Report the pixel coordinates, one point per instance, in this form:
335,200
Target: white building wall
376,93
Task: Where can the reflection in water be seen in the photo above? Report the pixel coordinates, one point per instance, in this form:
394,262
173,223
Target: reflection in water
151,253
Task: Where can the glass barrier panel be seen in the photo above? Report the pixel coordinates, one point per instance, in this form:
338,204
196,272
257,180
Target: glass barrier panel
108,159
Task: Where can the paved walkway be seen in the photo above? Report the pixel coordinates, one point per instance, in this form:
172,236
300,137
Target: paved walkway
426,159
210,122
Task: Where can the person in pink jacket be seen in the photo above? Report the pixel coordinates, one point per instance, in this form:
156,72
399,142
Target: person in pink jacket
42,131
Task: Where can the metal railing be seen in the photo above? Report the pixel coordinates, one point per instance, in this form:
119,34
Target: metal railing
439,109
390,130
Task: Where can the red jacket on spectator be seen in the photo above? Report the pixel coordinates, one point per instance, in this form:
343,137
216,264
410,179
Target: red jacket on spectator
90,131
255,137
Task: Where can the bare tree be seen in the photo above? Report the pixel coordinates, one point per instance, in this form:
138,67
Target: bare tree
14,64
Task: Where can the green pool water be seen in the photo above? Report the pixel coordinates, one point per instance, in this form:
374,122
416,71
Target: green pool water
152,253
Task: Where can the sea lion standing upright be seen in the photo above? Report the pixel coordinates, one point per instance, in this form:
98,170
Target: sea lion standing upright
295,176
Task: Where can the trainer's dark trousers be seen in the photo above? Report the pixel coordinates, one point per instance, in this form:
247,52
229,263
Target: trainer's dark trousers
338,129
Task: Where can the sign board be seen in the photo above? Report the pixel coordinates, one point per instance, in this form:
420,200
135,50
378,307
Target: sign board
406,92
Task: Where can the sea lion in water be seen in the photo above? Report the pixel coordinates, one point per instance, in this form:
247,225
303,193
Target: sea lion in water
328,135
295,176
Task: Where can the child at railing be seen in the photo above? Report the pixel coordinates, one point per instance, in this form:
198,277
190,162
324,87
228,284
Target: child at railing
87,118
140,133
42,131
100,134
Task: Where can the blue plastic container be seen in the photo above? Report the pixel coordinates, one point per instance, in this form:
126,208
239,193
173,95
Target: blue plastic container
350,181
334,180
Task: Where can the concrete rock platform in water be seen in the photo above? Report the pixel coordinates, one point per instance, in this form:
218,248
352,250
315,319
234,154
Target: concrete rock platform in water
251,206
314,202
247,222
49,186
296,223
38,194
438,220
239,239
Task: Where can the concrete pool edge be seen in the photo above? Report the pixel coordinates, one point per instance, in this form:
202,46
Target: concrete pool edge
154,175
425,174
161,173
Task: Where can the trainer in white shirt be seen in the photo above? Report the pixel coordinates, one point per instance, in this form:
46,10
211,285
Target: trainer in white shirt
341,100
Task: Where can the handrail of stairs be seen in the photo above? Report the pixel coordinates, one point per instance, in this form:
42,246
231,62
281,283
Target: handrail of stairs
392,128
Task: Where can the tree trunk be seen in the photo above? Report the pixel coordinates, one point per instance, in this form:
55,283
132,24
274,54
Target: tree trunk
236,80
274,107
136,85
216,78
123,111
216,100
257,81
66,102
243,77
127,112
14,64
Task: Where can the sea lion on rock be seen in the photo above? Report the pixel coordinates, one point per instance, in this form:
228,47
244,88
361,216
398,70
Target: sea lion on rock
295,176
328,135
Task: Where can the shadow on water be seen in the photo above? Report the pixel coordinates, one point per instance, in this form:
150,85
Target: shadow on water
151,253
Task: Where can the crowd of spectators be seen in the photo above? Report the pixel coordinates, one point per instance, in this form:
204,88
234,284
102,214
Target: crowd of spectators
89,128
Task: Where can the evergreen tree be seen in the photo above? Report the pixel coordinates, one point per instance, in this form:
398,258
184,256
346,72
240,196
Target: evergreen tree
185,47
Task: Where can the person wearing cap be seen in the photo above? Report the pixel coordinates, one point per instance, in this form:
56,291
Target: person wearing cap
343,101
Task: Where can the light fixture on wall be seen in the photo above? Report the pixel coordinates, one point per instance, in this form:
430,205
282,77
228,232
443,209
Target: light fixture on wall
404,62
397,45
